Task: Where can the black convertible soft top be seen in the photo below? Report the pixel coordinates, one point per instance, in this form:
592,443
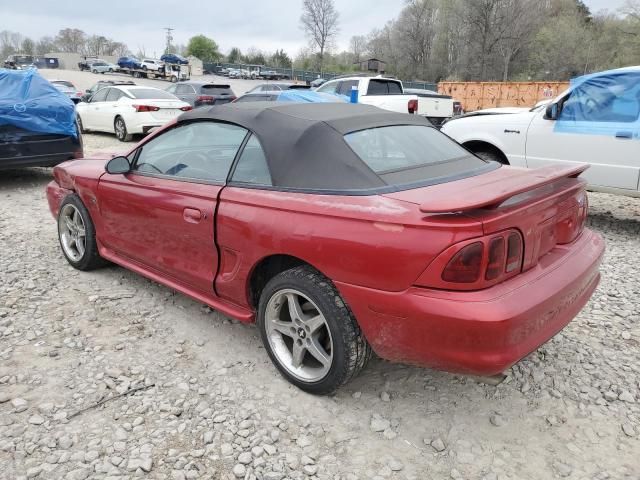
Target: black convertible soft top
304,143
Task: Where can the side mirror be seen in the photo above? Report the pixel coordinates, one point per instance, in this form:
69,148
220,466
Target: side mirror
551,112
118,165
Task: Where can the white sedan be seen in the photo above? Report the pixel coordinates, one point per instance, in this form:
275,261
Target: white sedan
128,110
596,121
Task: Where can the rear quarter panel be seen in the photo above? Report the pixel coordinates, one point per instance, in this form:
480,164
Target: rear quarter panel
369,241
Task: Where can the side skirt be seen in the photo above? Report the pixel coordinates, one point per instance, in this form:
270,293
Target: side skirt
226,308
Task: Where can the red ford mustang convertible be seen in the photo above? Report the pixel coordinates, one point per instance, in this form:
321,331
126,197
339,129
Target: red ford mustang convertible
340,229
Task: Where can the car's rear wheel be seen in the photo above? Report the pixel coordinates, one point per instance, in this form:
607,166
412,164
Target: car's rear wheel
490,156
80,126
309,332
111,70
120,127
77,235
174,79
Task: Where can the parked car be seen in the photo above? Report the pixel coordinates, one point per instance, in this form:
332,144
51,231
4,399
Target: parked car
301,96
68,89
101,84
318,82
19,62
150,64
86,62
279,86
103,67
37,122
174,58
129,62
386,93
198,94
436,107
234,73
128,110
340,229
596,121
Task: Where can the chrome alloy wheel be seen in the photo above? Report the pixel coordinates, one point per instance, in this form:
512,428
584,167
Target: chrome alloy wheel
72,232
299,335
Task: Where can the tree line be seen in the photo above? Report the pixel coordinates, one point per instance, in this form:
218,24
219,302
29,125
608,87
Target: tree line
482,40
68,40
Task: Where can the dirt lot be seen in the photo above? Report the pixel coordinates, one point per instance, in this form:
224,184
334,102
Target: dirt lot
210,404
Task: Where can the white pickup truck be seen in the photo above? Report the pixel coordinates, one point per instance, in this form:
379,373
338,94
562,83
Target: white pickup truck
385,93
436,107
596,121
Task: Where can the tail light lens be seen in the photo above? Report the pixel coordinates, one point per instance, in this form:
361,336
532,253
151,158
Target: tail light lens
187,108
146,108
476,264
495,266
205,98
464,267
514,252
412,106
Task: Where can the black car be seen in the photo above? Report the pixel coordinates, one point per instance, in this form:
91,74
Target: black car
37,122
25,148
198,94
104,83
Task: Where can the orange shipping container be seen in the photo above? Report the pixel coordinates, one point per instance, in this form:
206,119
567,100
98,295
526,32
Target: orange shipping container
479,95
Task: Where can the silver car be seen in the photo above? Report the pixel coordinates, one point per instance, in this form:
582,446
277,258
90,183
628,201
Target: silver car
102,67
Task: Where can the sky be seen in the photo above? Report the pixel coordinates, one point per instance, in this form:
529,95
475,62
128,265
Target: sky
264,24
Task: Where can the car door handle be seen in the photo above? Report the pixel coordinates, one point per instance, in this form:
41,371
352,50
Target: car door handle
192,215
624,134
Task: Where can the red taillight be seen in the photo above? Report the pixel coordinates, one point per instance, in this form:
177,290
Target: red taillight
464,267
495,266
79,94
514,252
412,106
187,108
205,98
146,108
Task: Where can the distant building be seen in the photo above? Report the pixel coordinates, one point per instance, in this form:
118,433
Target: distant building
372,65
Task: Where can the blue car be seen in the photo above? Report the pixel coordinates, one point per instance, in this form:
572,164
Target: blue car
129,62
174,58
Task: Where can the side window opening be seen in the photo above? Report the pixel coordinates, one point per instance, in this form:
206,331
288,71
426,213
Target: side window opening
252,167
197,151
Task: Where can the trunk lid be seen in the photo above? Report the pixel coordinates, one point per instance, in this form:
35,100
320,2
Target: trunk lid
548,205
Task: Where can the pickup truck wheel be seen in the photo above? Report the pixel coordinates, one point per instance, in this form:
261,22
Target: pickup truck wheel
309,332
121,130
77,235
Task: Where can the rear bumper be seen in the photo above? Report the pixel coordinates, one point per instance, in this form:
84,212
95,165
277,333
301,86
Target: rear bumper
482,332
36,150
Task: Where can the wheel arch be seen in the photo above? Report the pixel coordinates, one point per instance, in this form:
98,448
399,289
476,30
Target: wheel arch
267,268
482,145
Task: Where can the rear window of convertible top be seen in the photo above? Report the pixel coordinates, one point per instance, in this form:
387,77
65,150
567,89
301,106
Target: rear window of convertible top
407,154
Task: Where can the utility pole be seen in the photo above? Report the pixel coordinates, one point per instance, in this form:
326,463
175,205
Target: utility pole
169,39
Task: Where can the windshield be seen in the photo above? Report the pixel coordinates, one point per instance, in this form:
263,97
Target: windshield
63,82
64,88
151,93
217,89
406,154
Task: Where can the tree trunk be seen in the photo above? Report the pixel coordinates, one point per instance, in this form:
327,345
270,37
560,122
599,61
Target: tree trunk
507,63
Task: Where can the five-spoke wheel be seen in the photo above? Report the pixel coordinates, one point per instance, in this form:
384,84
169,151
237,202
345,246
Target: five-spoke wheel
309,332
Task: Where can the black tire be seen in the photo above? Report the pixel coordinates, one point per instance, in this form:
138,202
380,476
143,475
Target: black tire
174,79
81,128
91,259
111,70
144,67
122,134
350,350
490,156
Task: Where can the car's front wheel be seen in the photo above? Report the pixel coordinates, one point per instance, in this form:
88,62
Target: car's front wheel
111,70
77,235
120,127
309,332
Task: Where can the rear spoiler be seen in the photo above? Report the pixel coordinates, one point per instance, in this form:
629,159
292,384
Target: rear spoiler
498,188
